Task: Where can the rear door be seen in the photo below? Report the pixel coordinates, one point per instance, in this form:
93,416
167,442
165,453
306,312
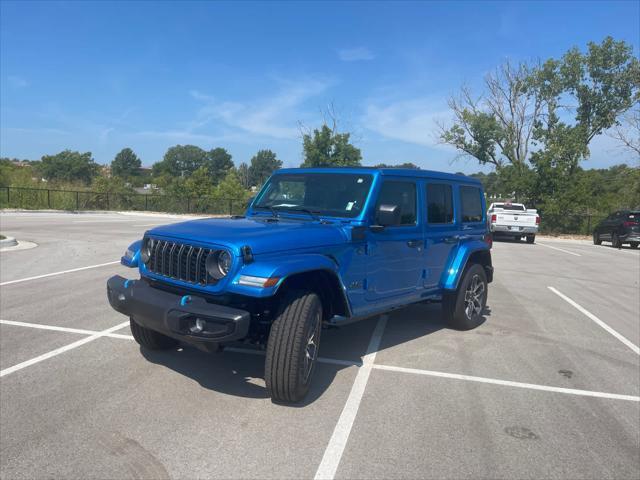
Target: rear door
395,254
609,225
441,229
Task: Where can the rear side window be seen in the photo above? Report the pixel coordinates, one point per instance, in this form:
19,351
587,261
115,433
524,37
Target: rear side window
402,194
471,204
439,203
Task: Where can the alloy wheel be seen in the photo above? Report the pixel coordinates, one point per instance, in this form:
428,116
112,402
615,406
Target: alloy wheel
474,297
311,348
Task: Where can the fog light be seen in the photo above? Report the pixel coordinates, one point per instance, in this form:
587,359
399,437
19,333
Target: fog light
198,326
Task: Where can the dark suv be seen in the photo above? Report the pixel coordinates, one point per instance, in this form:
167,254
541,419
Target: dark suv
620,227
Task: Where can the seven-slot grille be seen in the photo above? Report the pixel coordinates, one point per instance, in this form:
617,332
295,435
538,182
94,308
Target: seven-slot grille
180,261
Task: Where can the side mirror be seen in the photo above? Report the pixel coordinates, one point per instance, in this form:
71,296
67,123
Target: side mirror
386,216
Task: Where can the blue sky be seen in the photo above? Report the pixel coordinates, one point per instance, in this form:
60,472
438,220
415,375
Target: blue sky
100,76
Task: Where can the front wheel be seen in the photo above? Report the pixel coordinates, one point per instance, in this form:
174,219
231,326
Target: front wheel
150,339
634,244
292,349
463,309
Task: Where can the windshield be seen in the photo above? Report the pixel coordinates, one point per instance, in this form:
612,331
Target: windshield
336,195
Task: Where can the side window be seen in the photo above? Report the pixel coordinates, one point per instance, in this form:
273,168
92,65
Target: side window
471,204
402,194
439,203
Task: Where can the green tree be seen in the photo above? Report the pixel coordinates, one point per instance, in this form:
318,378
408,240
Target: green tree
69,166
181,161
263,164
400,165
199,183
327,148
125,164
602,83
219,163
231,188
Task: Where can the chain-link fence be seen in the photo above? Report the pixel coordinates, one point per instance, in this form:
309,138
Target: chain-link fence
575,223
36,198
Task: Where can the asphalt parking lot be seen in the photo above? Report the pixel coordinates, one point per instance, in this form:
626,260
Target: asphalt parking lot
547,387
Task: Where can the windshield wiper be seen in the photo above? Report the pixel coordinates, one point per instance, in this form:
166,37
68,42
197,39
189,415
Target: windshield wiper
312,213
273,211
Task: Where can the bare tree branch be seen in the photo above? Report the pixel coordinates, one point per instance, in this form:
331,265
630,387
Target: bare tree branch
627,132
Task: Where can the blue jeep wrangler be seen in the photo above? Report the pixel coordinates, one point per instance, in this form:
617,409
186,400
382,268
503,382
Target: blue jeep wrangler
315,247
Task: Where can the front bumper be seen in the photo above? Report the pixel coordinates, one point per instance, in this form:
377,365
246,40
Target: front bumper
176,315
514,230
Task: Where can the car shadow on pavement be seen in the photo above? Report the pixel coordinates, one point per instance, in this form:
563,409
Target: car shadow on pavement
242,373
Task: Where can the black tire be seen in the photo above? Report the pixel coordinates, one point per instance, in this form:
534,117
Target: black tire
531,238
596,238
151,339
290,361
455,306
615,241
634,244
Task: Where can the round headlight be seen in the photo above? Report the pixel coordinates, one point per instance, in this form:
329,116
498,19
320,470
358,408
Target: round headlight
224,262
145,251
218,264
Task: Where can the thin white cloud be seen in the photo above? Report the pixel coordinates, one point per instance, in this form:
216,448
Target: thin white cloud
355,54
17,82
178,136
276,116
412,121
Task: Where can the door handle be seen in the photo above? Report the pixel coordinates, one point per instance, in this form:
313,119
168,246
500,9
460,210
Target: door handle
414,243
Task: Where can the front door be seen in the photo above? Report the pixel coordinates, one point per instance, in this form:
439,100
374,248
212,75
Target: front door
396,253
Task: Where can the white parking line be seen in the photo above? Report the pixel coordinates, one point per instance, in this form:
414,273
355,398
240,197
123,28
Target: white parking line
559,249
366,364
80,331
333,453
579,307
60,350
10,282
507,383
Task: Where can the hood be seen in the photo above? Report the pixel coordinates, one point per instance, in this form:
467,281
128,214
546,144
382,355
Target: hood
261,235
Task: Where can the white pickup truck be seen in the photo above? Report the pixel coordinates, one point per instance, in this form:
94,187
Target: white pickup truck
514,220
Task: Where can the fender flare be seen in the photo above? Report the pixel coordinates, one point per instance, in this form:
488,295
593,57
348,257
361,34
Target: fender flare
458,262
283,268
133,261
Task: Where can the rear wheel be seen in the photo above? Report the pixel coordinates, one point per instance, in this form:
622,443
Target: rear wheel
596,238
292,349
634,244
463,309
531,238
615,241
149,338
